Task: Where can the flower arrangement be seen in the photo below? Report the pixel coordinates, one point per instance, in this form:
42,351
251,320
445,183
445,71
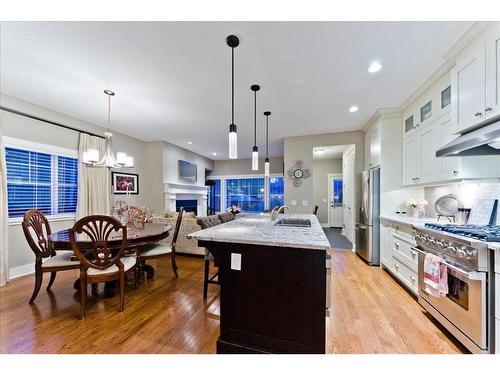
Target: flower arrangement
417,203
418,207
234,209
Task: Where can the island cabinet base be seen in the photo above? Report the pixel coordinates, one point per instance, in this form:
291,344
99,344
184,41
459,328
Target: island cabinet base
274,303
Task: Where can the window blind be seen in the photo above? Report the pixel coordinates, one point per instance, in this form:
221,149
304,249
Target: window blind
41,181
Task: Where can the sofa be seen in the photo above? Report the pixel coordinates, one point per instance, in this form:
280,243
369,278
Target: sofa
188,225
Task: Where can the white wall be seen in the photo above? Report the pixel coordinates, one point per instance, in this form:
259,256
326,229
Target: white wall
301,148
244,166
321,169
171,156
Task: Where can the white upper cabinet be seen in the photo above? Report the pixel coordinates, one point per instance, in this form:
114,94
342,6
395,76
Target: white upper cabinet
475,83
411,158
430,165
493,71
468,87
451,167
372,146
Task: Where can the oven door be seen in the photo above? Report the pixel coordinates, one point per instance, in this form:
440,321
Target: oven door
465,304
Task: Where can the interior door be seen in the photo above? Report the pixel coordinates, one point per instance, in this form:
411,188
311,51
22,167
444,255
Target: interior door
336,188
348,187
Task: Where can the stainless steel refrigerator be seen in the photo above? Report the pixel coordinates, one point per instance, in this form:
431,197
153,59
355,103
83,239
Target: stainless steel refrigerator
368,220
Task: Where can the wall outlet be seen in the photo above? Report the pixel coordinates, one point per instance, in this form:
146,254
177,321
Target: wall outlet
236,261
293,202
305,203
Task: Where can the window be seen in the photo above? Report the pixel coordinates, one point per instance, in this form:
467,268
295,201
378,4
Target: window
276,192
41,181
214,195
409,124
446,97
246,193
338,192
426,112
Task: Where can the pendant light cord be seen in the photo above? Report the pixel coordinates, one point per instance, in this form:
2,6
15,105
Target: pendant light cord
267,136
109,112
232,85
255,118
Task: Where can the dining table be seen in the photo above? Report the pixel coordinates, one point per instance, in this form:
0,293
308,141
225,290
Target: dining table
137,235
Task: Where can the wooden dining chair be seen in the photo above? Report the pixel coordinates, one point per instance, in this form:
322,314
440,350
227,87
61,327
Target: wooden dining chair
160,250
208,222
36,229
99,263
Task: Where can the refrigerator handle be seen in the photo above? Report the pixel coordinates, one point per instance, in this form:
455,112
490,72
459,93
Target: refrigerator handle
361,226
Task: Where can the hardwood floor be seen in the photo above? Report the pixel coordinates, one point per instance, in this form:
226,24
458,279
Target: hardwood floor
371,314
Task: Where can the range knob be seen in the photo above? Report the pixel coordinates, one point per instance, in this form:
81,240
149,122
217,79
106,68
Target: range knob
462,253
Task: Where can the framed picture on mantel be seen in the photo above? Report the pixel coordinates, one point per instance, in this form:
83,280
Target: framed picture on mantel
125,183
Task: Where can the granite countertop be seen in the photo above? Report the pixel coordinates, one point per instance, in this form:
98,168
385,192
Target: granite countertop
260,230
413,221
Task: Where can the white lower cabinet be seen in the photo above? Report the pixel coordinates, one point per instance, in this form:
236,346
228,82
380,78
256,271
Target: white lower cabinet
396,254
405,274
497,336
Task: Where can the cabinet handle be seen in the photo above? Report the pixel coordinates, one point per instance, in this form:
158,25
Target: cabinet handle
413,252
412,278
396,244
477,114
396,265
455,172
487,109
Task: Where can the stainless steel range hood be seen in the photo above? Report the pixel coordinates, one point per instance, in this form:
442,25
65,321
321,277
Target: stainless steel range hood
484,139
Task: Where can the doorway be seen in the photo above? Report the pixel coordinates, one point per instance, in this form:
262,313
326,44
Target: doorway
335,199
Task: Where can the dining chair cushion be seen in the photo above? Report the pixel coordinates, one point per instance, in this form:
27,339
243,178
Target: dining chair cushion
128,263
61,259
155,250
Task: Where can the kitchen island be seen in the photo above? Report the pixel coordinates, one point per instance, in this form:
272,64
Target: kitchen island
273,284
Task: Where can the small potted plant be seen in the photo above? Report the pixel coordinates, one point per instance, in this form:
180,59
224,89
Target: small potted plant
418,207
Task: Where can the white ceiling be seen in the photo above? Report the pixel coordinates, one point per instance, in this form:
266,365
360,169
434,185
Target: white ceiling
172,79
328,152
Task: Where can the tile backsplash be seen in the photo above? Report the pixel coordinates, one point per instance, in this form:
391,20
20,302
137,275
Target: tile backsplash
466,192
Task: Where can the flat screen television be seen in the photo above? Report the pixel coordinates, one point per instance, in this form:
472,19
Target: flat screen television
187,170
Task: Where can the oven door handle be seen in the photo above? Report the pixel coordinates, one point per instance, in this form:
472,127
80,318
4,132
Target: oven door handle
469,275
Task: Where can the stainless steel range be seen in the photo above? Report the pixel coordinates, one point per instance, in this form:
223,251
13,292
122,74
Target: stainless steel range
465,311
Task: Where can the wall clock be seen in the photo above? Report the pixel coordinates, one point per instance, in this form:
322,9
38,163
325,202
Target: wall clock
297,173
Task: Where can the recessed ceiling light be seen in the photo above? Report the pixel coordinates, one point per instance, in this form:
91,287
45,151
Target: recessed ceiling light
214,153
353,109
190,142
374,67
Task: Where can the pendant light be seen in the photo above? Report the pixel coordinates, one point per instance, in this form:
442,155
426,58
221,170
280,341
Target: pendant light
233,42
266,164
108,160
255,149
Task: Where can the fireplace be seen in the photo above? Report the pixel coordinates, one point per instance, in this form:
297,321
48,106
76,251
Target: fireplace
190,205
193,198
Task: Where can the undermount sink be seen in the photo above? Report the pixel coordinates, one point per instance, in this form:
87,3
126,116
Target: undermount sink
294,223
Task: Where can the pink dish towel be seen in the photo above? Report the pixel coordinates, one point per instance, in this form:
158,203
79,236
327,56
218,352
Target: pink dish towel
435,276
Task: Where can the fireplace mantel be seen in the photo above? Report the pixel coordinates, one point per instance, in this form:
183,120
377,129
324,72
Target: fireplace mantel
172,192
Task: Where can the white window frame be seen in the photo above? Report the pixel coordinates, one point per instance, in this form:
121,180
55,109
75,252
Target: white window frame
223,179
54,151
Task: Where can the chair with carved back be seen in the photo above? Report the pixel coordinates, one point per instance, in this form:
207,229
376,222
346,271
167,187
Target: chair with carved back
36,229
100,263
160,250
208,222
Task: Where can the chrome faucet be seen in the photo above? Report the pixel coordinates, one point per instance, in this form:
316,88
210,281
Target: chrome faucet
278,210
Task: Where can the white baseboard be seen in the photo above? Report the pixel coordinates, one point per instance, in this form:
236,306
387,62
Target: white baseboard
23,270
